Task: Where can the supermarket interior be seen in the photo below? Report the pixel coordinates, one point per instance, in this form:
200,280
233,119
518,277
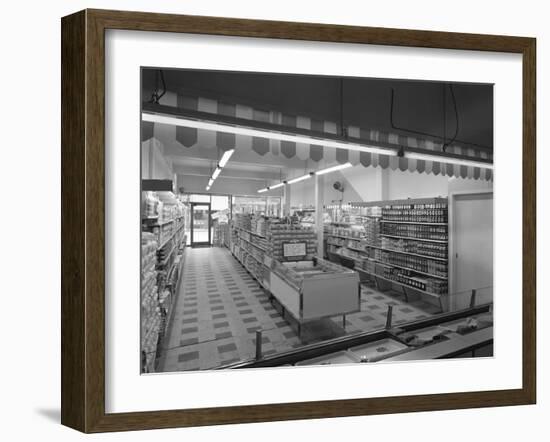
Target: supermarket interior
294,220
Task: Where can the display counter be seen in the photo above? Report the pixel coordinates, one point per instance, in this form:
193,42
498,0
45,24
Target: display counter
463,333
314,288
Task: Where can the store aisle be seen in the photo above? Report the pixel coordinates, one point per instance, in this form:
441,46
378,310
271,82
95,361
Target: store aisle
220,307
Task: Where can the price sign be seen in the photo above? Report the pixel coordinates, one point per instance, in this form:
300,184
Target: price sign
293,249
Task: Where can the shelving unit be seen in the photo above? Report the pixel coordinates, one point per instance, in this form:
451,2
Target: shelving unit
387,260
163,247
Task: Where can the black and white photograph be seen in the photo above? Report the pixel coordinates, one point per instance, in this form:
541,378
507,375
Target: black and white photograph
303,220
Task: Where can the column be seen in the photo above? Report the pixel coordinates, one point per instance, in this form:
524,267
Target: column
286,200
319,203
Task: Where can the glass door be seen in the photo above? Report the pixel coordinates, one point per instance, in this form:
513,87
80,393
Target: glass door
200,225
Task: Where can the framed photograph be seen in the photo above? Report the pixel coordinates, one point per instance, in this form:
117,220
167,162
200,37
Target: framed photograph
266,221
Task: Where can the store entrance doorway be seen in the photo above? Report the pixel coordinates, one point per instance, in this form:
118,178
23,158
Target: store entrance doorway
200,225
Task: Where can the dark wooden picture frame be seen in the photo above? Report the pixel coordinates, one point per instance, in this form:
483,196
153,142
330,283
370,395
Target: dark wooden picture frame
83,220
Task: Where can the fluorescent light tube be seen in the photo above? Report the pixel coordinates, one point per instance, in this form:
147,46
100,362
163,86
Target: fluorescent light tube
451,160
276,186
301,178
225,157
210,182
265,189
333,169
216,173
208,188
239,130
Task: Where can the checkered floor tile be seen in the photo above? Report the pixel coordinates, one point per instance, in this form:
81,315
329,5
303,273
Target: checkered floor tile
220,307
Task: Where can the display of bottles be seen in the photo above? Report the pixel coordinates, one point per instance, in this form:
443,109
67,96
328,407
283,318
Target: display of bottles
425,213
416,231
424,265
435,250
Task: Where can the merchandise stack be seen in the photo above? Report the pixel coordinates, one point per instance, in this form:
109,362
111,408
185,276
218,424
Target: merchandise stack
414,250
150,310
163,243
280,233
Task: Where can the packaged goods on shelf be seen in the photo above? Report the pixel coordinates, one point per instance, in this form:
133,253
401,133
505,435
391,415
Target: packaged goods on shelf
151,205
150,311
434,212
279,234
424,265
243,221
435,250
372,230
415,231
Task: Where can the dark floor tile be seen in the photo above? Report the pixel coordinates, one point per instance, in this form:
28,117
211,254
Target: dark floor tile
379,297
230,361
221,324
190,320
281,324
374,307
406,310
217,308
252,329
241,304
184,357
189,330
366,318
226,348
274,315
245,312
223,335
249,320
289,334
191,341
190,312
219,316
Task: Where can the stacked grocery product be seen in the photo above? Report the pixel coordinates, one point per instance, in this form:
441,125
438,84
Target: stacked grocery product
280,233
163,238
423,265
150,310
243,221
426,212
259,225
372,230
415,231
428,249
414,244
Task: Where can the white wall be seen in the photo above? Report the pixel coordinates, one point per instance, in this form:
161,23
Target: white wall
303,193
416,185
154,165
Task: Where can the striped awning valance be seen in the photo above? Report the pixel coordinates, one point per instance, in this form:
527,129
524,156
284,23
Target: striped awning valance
190,137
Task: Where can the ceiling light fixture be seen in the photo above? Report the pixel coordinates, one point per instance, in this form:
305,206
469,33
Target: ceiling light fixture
447,159
155,113
301,178
333,169
225,157
265,189
262,133
276,186
216,173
